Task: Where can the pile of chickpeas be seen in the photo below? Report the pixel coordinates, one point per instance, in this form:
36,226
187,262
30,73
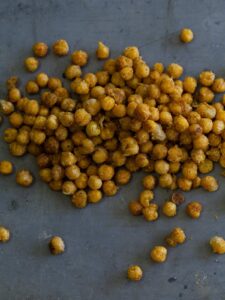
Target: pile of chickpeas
89,139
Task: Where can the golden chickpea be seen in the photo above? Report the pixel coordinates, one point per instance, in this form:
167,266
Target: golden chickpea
209,183
4,234
184,184
159,67
6,107
68,188
100,155
10,135
135,208
45,174
106,172
16,119
60,48
206,78
205,166
32,87
201,142
197,155
165,118
175,154
149,182
165,180
55,185
131,52
217,244
150,212
81,181
218,126
12,82
169,209
194,209
205,95
186,35
68,159
158,254
134,273
79,58
94,196
24,178
142,70
174,167
109,188
82,117
167,85
14,95
189,170
175,70
102,51
94,182
129,146
40,49
180,123
56,245
37,136
213,154
72,71
31,64
177,236
42,80
218,85
32,107
161,167
17,149
79,199
189,84
146,197
122,176
142,112
6,167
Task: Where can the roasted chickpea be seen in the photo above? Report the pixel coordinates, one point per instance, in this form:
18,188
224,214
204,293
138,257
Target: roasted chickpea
149,182
60,48
158,254
17,149
79,199
68,188
175,70
209,183
42,80
206,78
31,64
94,196
32,87
134,273
177,236
109,188
150,212
16,119
40,49
24,178
186,35
4,234
146,197
82,117
14,95
218,85
194,209
205,166
102,51
79,58
184,184
6,167
122,176
161,167
217,244
135,208
56,245
189,84
169,209
165,180
6,107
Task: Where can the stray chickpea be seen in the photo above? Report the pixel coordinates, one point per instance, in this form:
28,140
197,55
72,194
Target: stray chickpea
135,208
209,183
149,182
94,196
56,245
109,188
4,234
79,58
169,209
150,212
122,176
194,209
60,48
186,35
217,244
6,167
102,51
42,80
24,178
158,254
146,197
177,236
31,64
134,273
40,49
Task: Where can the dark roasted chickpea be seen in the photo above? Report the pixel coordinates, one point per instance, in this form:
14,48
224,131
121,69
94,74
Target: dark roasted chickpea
60,48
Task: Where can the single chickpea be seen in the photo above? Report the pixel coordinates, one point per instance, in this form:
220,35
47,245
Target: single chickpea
158,254
42,80
218,85
165,180
169,209
79,58
209,183
6,107
186,35
94,182
201,142
189,84
6,167
24,178
56,245
194,209
109,188
31,64
167,85
14,95
146,197
32,107
206,78
40,49
68,188
159,67
127,73
12,82
32,87
174,167
205,95
102,51
177,236
131,52
150,212
79,199
175,70
142,70
129,146
149,182
17,149
94,196
165,118
55,185
16,119
100,155
4,234
189,170
106,172
122,176
37,136
134,273
82,117
142,112
161,167
205,166
184,184
175,154
60,48
135,208
217,244
72,71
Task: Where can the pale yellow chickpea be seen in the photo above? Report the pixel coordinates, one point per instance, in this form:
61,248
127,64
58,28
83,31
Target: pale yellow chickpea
158,254
205,166
189,84
176,237
217,244
31,64
4,234
56,245
186,35
169,209
206,78
102,51
134,273
175,70
209,183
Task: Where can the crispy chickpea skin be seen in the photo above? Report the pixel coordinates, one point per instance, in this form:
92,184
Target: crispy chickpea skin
194,209
24,178
177,236
60,48
186,35
6,167
134,273
4,234
217,244
56,245
158,254
169,209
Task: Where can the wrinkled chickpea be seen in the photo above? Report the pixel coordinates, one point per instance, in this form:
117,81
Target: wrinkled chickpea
31,64
24,178
158,254
40,49
60,48
56,245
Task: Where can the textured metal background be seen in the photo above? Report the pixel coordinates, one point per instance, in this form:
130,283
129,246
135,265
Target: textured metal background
102,240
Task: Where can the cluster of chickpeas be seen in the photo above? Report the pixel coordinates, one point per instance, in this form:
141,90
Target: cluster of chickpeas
89,139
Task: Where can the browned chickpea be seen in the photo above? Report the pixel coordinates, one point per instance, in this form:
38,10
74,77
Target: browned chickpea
201,142
94,196
146,197
135,208
79,58
134,273
24,178
109,188
6,107
60,48
17,149
14,95
122,176
142,112
32,107
82,117
186,35
68,188
194,209
150,212
218,85
31,64
94,182
6,167
4,234
56,245
106,172
209,183
177,236
184,184
40,49
169,209
57,172
158,254
16,119
175,70
32,87
79,199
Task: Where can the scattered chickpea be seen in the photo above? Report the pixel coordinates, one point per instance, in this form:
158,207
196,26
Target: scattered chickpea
6,167
217,244
150,212
42,80
158,254
134,273
56,245
209,183
4,234
60,48
169,209
102,51
194,209
135,208
186,35
177,236
24,178
40,49
31,64
79,58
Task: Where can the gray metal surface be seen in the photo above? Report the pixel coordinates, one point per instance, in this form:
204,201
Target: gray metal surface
102,240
